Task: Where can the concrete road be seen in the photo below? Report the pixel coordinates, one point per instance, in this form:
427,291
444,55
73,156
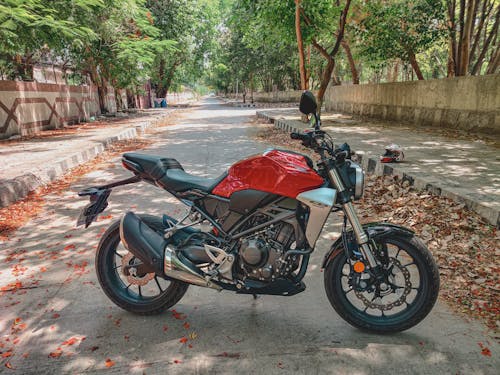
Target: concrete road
57,307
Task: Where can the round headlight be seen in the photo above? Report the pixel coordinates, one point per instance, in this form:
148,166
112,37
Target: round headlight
359,186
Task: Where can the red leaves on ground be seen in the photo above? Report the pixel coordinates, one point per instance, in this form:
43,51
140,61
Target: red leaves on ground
280,365
105,217
183,340
16,215
126,338
7,354
94,348
9,366
165,328
56,354
109,363
43,269
177,361
186,325
55,316
484,350
70,341
69,247
12,287
178,315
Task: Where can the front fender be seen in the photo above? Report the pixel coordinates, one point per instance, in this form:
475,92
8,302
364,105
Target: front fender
374,230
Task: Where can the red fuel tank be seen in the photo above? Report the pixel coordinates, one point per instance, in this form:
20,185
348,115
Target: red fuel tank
276,171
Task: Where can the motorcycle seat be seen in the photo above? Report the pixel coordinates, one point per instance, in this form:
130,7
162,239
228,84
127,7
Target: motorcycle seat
169,173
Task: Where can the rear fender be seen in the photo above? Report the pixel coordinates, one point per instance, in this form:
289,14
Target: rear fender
374,231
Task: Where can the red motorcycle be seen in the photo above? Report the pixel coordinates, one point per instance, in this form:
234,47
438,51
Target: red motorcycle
252,231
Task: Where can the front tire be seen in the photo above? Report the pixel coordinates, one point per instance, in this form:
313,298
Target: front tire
156,295
408,296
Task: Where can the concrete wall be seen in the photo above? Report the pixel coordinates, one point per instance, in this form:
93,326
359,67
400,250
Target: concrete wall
29,107
292,96
468,103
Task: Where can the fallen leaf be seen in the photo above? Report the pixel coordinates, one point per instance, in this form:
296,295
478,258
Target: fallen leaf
165,328
109,362
7,354
94,348
183,340
70,341
486,351
193,335
177,361
55,354
55,316
9,366
69,247
186,325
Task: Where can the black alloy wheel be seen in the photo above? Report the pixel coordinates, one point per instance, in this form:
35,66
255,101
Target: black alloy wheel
403,295
144,294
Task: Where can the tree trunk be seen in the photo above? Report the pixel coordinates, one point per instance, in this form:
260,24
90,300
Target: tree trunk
160,90
465,39
452,44
352,64
414,65
494,63
493,33
300,45
325,81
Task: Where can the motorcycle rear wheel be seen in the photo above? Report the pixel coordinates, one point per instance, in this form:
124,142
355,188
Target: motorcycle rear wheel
152,298
413,289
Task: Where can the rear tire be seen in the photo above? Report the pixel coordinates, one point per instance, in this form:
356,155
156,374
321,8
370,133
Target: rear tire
405,315
114,282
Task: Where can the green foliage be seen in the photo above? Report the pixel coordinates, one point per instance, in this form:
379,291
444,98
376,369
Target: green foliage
398,28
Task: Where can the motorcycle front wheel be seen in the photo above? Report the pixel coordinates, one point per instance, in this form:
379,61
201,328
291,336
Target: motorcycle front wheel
146,294
395,302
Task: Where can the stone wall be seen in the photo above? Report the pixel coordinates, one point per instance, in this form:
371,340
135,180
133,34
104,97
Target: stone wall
29,107
467,103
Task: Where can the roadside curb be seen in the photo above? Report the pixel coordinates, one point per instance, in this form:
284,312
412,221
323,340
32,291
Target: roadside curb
19,187
373,165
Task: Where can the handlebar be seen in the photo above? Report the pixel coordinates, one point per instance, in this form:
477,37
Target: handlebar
316,140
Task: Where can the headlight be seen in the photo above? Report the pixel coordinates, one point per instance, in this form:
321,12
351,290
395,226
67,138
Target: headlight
357,179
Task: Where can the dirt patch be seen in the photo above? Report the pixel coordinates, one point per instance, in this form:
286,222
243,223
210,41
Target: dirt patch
463,244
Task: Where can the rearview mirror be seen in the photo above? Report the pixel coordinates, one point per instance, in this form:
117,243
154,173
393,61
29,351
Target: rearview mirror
308,103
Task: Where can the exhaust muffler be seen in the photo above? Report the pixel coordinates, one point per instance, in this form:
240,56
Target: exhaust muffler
158,257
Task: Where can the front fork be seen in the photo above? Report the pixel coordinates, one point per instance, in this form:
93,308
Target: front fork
350,212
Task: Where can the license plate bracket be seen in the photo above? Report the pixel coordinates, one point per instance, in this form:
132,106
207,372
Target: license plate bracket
98,203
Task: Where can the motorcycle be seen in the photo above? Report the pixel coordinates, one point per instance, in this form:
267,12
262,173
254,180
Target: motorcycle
252,231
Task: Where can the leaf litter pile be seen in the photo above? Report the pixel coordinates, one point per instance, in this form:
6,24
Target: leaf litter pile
465,247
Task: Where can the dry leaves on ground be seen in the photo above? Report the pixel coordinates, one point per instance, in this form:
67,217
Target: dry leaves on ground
463,244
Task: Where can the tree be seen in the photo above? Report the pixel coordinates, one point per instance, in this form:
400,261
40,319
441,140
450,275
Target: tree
473,36
191,25
400,29
124,51
31,29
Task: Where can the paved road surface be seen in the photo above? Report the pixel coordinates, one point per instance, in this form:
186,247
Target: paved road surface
228,333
